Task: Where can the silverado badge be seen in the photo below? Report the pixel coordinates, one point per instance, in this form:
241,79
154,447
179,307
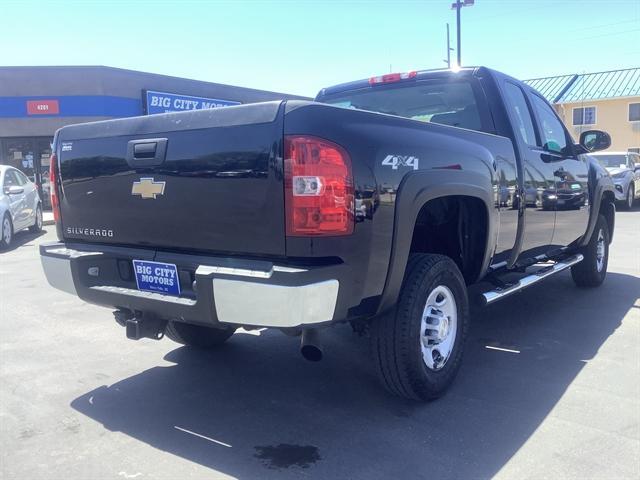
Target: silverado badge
147,188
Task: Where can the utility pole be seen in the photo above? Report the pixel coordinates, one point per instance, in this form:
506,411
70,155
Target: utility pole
448,60
457,7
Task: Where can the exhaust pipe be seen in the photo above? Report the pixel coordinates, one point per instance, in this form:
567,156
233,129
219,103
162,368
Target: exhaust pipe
310,346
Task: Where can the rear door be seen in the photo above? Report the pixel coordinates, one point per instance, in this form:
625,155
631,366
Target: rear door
30,194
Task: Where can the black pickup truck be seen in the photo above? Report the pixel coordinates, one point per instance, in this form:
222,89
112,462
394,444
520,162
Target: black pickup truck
378,204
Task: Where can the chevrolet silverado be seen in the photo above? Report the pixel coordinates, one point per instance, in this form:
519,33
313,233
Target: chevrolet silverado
378,204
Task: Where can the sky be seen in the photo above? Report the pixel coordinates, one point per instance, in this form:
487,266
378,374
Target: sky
298,47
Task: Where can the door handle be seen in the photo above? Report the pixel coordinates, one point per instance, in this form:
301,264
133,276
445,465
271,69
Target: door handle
147,152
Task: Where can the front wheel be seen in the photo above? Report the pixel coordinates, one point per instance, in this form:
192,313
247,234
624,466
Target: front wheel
417,348
591,271
196,335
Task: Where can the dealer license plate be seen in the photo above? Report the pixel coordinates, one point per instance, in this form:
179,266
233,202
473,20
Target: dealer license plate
157,277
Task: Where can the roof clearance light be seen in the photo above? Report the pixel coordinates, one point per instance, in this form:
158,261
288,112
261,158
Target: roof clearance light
392,77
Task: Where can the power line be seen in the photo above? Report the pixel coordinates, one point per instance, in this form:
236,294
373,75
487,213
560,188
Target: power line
608,34
590,27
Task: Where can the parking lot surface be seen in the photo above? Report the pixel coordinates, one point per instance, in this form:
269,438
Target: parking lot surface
549,389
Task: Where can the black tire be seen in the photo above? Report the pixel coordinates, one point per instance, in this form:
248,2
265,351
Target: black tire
197,336
397,337
591,272
37,226
7,226
628,203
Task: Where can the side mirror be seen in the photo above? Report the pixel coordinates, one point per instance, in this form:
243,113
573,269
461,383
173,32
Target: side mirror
14,190
637,167
595,140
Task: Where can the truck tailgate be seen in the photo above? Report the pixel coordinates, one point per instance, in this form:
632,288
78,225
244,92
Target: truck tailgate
217,187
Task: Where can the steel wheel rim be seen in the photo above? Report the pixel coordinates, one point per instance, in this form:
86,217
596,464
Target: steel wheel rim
600,251
39,218
630,195
438,328
6,231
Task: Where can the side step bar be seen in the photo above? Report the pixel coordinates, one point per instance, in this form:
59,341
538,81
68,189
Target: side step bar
499,293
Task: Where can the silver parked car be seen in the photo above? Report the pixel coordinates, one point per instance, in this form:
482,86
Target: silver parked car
20,205
624,167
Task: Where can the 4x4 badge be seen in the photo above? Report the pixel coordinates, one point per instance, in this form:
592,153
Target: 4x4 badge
148,188
395,161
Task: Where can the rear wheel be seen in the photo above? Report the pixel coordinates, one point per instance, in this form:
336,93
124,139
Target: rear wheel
628,204
37,225
591,271
417,348
7,232
196,335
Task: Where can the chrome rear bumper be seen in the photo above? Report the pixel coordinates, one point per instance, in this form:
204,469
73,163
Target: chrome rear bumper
231,292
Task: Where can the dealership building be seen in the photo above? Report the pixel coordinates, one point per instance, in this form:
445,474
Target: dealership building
35,101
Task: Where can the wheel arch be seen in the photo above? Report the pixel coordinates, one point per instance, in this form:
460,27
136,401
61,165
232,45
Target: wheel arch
602,202
414,194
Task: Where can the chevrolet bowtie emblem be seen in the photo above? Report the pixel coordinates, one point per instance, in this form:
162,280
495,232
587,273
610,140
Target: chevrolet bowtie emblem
147,188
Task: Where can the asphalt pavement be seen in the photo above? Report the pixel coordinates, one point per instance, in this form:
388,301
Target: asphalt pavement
549,388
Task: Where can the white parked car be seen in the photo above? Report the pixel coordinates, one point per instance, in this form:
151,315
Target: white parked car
624,167
20,205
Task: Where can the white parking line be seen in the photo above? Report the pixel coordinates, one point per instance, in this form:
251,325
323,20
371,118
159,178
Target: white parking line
202,436
502,349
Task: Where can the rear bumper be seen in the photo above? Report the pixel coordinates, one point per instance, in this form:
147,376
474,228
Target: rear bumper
221,290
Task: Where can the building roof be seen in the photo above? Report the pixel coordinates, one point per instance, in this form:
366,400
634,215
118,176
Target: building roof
589,86
551,87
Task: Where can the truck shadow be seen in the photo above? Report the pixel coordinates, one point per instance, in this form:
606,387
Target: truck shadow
21,239
255,409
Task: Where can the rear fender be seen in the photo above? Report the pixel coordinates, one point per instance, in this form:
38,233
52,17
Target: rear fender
414,192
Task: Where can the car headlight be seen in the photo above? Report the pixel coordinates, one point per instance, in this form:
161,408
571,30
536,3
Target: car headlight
619,175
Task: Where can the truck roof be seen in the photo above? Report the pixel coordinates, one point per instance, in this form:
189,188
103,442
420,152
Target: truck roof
420,74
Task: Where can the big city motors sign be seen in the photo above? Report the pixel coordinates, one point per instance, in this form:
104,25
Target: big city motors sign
163,102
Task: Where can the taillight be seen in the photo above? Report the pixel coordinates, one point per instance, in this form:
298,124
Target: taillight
392,78
53,187
318,187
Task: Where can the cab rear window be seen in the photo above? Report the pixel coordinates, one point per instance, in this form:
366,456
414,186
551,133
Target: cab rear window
443,102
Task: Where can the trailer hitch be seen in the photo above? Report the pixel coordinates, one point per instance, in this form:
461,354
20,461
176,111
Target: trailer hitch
138,326
147,327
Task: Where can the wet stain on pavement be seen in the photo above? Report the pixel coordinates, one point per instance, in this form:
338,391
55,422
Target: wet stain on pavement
285,455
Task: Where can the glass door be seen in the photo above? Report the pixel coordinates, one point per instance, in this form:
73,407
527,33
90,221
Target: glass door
31,156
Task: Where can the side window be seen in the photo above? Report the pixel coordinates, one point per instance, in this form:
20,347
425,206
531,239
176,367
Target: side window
22,178
554,137
10,179
517,103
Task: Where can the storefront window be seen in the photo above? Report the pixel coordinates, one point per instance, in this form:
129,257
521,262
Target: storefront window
31,156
